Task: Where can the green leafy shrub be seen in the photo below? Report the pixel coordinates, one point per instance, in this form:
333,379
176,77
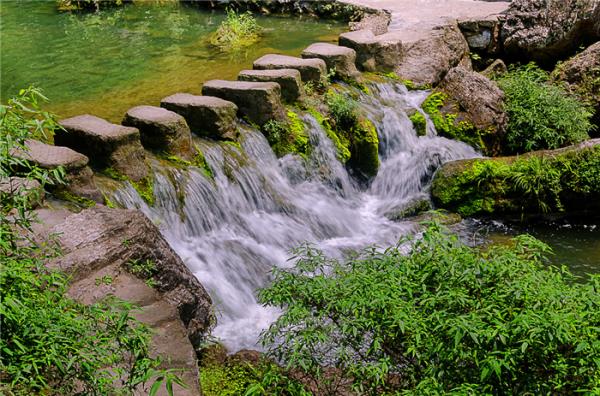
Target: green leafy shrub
342,109
541,115
51,344
445,318
236,31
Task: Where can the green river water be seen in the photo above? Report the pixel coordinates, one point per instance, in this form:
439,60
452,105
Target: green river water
106,62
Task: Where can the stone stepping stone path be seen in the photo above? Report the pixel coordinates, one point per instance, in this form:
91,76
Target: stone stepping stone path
161,130
260,102
107,145
207,116
342,59
311,70
289,80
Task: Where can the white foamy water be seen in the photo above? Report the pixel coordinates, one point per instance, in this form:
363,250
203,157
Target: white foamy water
231,231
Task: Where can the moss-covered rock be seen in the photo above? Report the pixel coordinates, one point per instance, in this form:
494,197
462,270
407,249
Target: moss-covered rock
557,181
364,148
287,137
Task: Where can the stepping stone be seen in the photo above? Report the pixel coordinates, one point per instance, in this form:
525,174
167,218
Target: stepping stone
342,59
107,145
206,116
161,129
310,69
78,178
374,53
258,101
289,80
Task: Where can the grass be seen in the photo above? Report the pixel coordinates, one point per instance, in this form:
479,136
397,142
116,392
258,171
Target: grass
238,30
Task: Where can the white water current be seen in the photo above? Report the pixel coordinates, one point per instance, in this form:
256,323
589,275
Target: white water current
232,230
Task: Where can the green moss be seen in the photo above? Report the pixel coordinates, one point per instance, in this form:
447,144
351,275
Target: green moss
78,200
200,162
108,202
341,143
145,189
113,174
536,183
287,137
420,123
364,148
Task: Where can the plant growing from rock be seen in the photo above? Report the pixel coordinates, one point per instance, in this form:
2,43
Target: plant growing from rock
238,30
541,115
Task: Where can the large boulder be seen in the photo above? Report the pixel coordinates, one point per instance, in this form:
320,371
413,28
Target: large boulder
107,145
117,252
510,185
547,30
482,34
338,58
311,70
207,116
78,175
479,102
260,102
289,80
161,130
377,23
373,53
582,74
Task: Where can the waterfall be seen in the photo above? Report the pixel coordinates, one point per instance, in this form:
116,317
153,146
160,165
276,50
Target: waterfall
232,229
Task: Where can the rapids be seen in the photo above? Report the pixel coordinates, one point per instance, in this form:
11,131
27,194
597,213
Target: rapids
232,230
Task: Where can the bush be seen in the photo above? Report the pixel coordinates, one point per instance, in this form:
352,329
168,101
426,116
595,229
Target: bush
236,31
444,318
50,343
541,115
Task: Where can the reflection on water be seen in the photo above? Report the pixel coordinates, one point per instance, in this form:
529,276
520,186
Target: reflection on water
104,63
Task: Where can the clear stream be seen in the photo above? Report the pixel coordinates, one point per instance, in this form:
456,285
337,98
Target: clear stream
232,230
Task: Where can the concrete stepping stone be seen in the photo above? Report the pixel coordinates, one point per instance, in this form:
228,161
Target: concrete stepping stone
79,177
289,80
342,59
207,116
161,130
310,69
258,101
374,53
107,145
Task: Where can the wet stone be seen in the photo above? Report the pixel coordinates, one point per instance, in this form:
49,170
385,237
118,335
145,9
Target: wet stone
310,69
289,80
342,59
207,116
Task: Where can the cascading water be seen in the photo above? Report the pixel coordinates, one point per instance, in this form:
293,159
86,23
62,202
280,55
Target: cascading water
232,229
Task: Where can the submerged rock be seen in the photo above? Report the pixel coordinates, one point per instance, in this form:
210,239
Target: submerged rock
311,70
207,116
107,145
161,130
289,80
338,58
547,30
564,181
258,101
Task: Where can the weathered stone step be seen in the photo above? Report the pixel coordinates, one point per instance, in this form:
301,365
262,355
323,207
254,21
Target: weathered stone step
258,101
79,176
373,53
289,80
310,69
342,59
161,129
207,116
107,145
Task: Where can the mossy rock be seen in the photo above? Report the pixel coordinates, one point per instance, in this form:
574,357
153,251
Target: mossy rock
289,137
539,183
364,149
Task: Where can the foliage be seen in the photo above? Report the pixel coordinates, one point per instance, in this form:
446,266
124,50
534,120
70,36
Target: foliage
445,318
342,109
288,136
73,5
533,184
78,200
236,31
200,162
145,188
50,343
541,115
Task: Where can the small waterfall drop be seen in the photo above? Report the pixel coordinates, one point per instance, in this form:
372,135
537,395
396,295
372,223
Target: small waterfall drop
231,230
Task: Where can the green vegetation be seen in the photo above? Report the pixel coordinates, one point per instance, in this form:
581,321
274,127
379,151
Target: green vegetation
287,137
200,162
526,185
444,319
541,115
78,200
236,31
447,124
50,343
74,5
145,188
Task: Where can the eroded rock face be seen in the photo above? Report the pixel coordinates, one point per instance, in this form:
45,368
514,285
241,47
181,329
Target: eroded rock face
341,59
289,80
161,130
107,145
377,23
547,30
101,237
311,70
582,73
206,116
481,103
258,101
